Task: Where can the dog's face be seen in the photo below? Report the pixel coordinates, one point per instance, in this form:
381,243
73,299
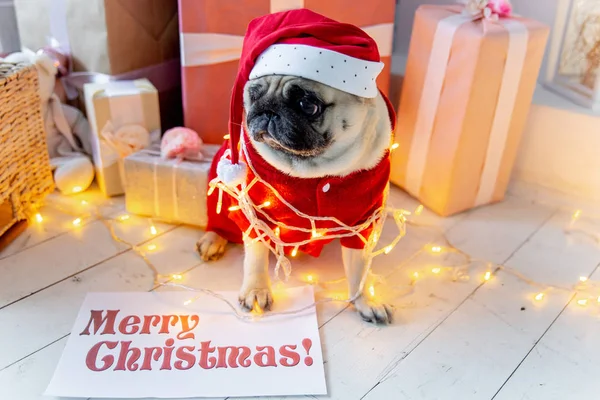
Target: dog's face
301,125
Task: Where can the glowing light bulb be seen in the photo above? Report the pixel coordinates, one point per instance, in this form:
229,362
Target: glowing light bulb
372,290
387,249
487,276
38,217
226,137
77,221
295,251
583,278
598,299
177,277
415,275
539,296
266,204
419,209
316,234
153,230
582,302
187,302
211,190
375,237
277,231
234,208
577,214
310,279
436,249
219,205
394,146
123,217
77,189
152,247
436,270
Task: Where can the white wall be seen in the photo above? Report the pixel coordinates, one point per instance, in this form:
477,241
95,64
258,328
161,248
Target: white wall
9,34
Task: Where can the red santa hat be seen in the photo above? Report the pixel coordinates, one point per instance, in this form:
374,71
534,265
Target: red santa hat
305,44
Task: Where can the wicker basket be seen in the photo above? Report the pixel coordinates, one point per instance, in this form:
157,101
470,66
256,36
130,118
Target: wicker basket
25,173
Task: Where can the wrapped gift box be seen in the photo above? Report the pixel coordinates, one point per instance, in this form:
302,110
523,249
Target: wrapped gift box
170,190
123,115
465,99
212,34
125,39
106,36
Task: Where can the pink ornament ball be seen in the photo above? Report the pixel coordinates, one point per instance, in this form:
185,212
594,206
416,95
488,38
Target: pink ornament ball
181,142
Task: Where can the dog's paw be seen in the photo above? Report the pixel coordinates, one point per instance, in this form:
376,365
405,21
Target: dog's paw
374,312
261,296
211,246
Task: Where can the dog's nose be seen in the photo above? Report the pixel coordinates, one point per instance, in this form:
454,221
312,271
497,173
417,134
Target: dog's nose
267,115
266,121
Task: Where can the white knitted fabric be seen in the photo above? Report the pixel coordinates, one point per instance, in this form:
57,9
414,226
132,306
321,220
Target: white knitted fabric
348,74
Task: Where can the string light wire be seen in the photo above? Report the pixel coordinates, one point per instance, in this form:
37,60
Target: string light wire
586,290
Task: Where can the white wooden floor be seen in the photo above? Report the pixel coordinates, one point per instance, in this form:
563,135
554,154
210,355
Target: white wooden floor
450,340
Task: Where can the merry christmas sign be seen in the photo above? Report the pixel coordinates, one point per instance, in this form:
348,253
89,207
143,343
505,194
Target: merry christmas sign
182,344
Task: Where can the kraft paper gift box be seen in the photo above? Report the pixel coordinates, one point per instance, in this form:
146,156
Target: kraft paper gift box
105,36
465,98
126,39
169,190
126,107
212,33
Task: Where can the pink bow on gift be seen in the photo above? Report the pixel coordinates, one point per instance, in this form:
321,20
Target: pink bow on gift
181,143
489,9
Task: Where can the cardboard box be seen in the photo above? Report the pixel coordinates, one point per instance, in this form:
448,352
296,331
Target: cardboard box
106,36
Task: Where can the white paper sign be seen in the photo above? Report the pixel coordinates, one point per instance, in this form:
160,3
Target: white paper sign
159,344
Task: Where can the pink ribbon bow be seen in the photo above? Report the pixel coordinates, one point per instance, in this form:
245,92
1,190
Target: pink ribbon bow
487,9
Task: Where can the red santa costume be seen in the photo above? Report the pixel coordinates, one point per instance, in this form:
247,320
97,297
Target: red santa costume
305,44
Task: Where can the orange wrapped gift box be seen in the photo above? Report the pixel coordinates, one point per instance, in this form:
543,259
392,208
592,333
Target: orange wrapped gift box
212,34
465,99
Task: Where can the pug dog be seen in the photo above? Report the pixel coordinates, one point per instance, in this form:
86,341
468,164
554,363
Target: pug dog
309,130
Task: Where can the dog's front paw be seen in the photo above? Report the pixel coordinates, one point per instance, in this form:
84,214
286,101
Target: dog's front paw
260,296
374,312
211,246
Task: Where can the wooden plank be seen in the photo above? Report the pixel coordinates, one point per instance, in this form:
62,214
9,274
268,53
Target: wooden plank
28,379
54,260
58,214
563,363
48,315
359,355
472,353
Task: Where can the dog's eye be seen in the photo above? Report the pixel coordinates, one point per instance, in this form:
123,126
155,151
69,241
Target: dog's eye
309,107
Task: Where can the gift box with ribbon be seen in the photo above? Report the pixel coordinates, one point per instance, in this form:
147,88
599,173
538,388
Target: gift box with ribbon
108,40
125,118
171,190
211,40
105,36
470,77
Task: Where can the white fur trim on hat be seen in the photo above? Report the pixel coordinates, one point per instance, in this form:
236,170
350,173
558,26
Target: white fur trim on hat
230,174
348,74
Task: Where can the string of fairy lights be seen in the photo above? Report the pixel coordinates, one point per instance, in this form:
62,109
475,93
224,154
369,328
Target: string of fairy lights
268,230
585,290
